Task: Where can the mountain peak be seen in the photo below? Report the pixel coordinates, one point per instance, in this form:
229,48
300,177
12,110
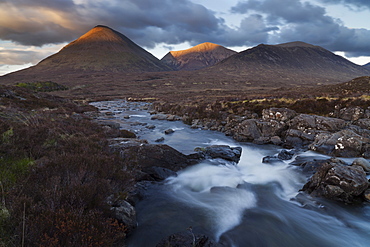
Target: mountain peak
204,47
100,33
295,44
100,49
197,57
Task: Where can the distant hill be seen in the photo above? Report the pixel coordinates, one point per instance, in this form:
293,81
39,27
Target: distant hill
295,63
359,85
197,57
100,49
367,66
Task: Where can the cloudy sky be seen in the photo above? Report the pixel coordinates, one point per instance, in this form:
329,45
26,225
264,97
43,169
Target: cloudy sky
31,30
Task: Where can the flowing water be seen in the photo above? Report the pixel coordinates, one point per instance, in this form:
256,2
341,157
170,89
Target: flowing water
248,204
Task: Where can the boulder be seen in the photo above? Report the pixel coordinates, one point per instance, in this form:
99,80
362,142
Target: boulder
124,212
345,143
282,155
337,181
247,131
159,116
169,131
223,152
149,158
271,127
307,123
160,139
151,126
278,114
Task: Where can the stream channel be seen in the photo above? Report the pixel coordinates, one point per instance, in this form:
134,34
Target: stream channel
246,204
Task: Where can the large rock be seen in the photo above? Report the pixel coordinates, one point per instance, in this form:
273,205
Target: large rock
334,180
155,161
271,128
344,143
307,123
220,151
247,131
278,114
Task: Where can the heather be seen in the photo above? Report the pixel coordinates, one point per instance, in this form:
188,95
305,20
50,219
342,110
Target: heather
56,174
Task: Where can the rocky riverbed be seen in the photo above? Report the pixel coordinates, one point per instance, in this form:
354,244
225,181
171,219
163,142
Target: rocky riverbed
346,134
203,167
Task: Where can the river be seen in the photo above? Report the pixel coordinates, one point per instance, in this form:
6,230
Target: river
248,204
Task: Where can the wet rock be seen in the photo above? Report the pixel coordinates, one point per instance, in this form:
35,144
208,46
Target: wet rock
126,116
187,239
159,117
151,127
278,114
337,181
223,152
282,155
363,163
173,118
160,139
169,131
310,167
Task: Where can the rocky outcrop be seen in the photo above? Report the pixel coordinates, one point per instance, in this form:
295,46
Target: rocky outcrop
337,181
156,162
344,143
345,135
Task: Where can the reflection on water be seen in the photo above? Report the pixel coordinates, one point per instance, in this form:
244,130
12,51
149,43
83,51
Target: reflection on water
250,204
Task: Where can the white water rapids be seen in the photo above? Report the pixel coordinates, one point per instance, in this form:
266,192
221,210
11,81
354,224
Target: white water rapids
248,204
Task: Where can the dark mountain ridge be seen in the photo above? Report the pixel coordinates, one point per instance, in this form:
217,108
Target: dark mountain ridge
297,61
197,57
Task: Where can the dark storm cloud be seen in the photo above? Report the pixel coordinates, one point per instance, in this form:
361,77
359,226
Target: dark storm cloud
152,22
147,22
309,23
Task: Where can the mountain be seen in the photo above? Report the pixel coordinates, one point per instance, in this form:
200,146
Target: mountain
197,57
100,49
294,62
367,66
